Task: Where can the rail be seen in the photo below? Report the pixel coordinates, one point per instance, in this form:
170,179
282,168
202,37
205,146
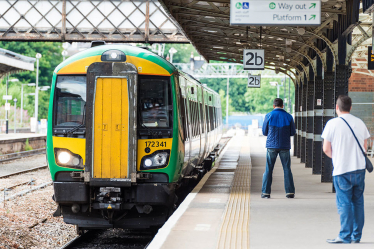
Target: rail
22,154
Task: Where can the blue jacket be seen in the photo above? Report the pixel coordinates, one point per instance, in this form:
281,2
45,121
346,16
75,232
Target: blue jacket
278,127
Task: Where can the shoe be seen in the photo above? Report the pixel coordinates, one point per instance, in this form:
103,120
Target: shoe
266,196
290,195
337,240
355,241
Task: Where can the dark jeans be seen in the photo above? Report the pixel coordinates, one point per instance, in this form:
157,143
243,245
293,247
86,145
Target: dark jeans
350,202
267,178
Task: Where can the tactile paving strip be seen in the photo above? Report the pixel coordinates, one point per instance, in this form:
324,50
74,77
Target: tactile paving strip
234,233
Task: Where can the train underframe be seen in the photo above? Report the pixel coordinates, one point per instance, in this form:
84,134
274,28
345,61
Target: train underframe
146,204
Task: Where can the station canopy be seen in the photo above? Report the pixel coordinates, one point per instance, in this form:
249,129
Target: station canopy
288,49
11,62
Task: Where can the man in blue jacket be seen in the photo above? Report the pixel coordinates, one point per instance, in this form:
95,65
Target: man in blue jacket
278,127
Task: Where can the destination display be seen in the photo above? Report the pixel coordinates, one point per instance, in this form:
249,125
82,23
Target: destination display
263,12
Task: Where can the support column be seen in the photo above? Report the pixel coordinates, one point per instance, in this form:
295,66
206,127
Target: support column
299,119
335,83
295,148
328,109
303,122
318,122
328,113
310,120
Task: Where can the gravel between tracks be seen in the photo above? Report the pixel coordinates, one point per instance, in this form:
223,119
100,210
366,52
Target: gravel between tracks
27,222
22,164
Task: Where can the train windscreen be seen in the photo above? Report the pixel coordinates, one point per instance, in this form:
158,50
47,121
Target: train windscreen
70,101
155,102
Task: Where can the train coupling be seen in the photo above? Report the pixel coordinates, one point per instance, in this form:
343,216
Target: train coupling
109,198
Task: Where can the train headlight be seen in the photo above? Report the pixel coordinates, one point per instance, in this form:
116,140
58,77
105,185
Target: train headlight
158,159
148,162
113,55
63,157
66,158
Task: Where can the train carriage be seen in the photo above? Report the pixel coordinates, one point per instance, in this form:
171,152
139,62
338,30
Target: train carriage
127,132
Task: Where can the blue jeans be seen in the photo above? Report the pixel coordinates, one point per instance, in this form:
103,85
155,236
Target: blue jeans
267,178
350,202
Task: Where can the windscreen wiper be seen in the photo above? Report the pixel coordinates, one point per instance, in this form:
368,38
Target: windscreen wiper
83,124
75,129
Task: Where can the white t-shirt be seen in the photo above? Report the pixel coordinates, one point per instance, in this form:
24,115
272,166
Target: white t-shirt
346,154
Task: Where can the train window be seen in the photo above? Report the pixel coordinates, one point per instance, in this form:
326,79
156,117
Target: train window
70,101
207,118
202,118
155,102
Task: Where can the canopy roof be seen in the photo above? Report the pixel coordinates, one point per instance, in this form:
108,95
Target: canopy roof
207,24
11,62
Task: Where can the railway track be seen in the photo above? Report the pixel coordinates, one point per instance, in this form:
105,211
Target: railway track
119,238
24,171
22,154
111,239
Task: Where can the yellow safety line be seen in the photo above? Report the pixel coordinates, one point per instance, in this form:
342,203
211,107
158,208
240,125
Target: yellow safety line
234,233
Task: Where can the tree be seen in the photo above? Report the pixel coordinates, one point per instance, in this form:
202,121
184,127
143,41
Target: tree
51,57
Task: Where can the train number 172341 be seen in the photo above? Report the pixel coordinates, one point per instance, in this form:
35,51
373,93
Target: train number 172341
155,144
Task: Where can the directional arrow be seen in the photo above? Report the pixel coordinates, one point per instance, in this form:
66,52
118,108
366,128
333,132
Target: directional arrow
313,5
312,17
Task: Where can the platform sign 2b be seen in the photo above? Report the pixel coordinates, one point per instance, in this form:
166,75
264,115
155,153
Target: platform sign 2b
254,81
254,59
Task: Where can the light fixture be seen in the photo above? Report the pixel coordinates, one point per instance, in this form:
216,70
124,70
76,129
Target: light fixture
113,55
38,56
301,31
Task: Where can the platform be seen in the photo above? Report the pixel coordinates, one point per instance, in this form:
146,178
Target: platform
11,143
225,209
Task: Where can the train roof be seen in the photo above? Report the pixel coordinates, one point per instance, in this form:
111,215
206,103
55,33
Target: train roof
146,61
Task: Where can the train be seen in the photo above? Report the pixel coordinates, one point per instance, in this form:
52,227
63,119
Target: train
129,131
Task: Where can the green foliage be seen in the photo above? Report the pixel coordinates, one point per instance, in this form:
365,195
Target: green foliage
51,57
184,52
249,100
27,145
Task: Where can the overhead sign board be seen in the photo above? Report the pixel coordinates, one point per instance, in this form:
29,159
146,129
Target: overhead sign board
7,97
370,58
254,59
254,81
275,12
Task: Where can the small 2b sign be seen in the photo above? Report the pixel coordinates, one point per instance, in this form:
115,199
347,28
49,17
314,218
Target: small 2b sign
254,81
254,59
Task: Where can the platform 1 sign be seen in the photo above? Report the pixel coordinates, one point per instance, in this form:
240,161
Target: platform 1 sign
275,12
253,59
254,81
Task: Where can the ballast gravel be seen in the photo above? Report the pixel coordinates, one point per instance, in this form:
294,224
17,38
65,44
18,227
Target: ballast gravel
28,222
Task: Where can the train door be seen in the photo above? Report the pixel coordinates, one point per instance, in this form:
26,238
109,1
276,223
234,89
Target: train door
111,142
201,122
185,120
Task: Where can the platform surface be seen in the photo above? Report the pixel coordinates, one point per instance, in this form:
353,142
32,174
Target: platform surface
205,221
306,221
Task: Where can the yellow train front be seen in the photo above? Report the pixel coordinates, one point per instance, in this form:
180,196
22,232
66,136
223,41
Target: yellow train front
127,133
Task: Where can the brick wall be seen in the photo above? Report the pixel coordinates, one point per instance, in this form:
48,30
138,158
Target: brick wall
361,83
361,90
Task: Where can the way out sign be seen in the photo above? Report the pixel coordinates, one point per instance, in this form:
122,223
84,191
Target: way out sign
254,81
254,59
